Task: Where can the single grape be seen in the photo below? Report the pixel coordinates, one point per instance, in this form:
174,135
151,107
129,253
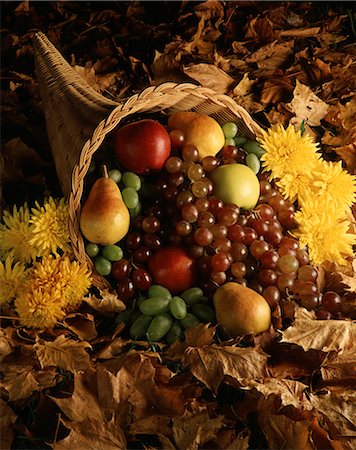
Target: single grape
199,189
288,264
190,153
229,129
202,204
222,245
307,273
220,262
236,233
183,228
250,236
264,211
331,302
309,301
115,175
151,224
258,248
240,141
203,236
238,251
141,279
227,216
195,172
125,290
285,281
92,250
112,252
267,277
219,231
303,257
121,269
229,142
189,213
238,269
218,277
130,197
131,180
205,219
269,259
272,295
253,162
177,138
253,147
141,254
102,265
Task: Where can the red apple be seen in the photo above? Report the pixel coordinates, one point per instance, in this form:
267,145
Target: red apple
142,146
172,268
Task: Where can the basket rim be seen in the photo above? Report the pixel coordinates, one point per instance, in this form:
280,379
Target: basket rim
141,102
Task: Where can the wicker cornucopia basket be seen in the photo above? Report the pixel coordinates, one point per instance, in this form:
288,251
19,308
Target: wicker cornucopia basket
79,119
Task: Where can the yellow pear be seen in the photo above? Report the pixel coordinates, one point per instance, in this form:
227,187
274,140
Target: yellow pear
200,130
104,218
240,310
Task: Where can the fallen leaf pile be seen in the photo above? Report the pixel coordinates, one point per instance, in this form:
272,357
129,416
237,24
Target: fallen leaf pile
83,385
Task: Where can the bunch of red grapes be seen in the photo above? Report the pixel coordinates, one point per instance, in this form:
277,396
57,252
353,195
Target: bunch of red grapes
252,247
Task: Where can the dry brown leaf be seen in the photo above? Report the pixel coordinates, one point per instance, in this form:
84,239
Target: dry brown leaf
83,404
82,325
7,418
271,56
340,410
306,106
108,304
339,367
63,352
20,380
316,70
244,96
210,76
195,429
230,439
92,434
135,384
165,67
348,114
152,424
324,335
198,336
261,30
281,431
213,364
276,89
290,392
97,82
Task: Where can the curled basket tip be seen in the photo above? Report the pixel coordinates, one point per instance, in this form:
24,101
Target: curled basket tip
79,120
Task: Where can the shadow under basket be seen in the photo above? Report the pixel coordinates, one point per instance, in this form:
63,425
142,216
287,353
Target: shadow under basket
79,119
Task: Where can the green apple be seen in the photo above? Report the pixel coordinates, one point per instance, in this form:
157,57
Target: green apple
236,183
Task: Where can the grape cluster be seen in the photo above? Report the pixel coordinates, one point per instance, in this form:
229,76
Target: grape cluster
160,315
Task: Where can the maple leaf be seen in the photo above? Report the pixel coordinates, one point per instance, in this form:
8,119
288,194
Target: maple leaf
210,76
339,366
83,403
306,106
135,385
281,431
108,305
214,364
21,380
63,352
92,434
7,418
340,410
326,336
195,429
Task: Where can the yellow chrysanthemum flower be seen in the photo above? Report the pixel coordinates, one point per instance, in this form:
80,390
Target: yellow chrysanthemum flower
323,232
50,227
69,277
16,234
330,185
58,283
12,277
287,151
39,307
78,281
291,185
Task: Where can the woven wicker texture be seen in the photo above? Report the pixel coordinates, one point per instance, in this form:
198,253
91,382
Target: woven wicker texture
79,119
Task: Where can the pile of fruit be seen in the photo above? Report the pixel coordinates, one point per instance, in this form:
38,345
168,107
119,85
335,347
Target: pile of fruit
187,229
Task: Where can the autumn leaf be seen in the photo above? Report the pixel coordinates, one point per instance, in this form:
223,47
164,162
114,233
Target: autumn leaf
22,380
290,392
198,336
339,366
108,305
195,429
92,434
326,336
82,325
272,55
210,76
63,352
340,410
7,419
214,364
83,404
306,106
5,346
281,431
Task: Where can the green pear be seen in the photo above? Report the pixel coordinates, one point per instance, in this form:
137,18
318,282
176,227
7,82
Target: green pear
104,218
236,183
